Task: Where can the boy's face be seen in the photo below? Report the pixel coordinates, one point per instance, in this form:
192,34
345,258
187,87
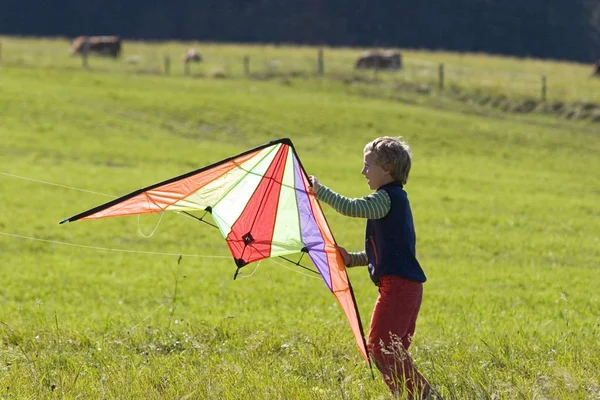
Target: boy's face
376,175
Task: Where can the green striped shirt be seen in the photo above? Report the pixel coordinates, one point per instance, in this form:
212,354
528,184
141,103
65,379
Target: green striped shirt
374,206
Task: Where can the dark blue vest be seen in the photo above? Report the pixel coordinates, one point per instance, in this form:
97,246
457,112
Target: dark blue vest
391,240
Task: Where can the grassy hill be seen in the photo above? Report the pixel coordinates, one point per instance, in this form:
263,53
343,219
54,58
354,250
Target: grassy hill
506,210
566,89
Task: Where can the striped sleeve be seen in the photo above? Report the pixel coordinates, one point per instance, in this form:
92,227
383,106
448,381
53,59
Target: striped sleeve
357,259
374,206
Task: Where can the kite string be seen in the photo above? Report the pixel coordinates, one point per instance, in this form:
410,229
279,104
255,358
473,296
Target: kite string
293,270
147,252
108,248
250,274
56,184
162,214
86,191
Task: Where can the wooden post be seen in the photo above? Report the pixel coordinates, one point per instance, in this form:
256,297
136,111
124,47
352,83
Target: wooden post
544,87
167,65
441,77
247,65
320,62
84,53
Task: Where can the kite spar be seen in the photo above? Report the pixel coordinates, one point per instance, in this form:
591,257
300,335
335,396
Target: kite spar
260,202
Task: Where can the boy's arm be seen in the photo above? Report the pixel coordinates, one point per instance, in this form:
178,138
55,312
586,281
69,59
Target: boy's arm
357,259
374,206
354,259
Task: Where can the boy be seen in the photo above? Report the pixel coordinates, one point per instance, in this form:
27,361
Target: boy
390,256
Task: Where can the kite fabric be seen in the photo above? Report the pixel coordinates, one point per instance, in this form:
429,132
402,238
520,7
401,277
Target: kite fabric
260,202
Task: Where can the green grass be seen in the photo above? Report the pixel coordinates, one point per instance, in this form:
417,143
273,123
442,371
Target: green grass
506,209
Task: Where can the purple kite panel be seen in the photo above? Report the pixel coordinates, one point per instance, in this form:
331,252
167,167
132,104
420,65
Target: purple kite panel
311,234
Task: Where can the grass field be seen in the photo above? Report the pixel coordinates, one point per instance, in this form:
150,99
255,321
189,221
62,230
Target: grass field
478,78
507,214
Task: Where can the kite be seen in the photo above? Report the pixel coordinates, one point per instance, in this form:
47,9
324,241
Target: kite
260,202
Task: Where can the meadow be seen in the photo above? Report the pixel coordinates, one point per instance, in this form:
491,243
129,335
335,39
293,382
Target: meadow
494,81
506,210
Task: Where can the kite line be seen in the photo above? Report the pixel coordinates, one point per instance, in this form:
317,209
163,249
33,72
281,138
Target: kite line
56,184
110,249
148,252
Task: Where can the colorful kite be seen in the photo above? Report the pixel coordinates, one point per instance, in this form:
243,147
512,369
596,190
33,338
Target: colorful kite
260,202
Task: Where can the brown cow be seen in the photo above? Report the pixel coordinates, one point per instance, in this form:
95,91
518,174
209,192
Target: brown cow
387,59
191,55
109,46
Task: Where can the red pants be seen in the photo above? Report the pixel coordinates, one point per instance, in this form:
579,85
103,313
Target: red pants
392,328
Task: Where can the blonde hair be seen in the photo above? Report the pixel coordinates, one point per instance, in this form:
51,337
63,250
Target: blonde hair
392,154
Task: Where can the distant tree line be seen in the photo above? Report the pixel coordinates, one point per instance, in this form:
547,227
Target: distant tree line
559,29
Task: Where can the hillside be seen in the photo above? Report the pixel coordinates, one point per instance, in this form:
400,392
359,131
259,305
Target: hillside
482,83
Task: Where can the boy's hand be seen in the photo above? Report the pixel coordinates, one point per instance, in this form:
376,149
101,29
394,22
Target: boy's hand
314,184
344,254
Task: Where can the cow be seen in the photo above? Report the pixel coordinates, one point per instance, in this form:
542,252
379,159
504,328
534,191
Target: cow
109,46
191,55
386,59
597,68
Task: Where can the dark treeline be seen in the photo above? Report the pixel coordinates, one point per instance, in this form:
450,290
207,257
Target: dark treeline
560,29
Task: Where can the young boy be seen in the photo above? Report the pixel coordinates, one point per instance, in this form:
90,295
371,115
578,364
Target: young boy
390,256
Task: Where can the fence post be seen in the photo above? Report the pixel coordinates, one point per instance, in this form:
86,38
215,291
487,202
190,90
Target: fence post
247,66
320,62
441,77
167,65
84,53
544,87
